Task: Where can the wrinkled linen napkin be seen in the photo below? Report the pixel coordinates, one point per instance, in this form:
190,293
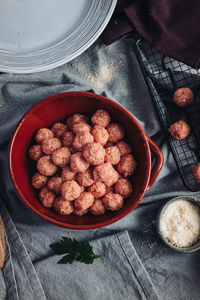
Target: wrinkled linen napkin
117,274
172,27
134,265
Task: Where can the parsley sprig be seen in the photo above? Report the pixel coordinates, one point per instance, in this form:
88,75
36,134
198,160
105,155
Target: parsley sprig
74,250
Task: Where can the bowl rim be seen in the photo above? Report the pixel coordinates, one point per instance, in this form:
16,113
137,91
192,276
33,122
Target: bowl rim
189,249
59,222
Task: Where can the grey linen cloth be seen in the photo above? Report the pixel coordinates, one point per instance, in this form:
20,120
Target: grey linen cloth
134,264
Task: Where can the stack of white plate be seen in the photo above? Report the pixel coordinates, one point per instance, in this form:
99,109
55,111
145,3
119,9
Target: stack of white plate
38,35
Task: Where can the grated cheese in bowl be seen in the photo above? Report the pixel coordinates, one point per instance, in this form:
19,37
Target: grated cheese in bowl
180,223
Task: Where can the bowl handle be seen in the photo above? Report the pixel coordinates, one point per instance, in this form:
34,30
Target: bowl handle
158,162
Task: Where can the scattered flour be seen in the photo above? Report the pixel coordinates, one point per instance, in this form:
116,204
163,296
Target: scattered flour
149,236
101,78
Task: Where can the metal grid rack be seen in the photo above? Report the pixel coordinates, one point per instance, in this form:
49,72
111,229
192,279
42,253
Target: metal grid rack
163,76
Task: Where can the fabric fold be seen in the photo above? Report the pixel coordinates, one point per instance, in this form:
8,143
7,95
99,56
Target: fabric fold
117,275
124,276
138,268
20,277
172,27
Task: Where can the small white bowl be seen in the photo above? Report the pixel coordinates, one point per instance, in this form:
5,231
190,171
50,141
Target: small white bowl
188,249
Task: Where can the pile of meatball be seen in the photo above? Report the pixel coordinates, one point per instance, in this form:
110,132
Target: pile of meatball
180,130
83,165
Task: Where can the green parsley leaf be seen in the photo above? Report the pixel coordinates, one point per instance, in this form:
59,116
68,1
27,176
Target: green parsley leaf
66,245
80,251
67,259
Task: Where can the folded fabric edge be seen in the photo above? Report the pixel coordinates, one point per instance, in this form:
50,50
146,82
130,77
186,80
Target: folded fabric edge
13,243
137,266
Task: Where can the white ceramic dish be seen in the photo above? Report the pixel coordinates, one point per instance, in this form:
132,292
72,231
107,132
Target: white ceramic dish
42,34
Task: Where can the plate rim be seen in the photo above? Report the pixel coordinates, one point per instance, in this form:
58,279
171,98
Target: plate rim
76,53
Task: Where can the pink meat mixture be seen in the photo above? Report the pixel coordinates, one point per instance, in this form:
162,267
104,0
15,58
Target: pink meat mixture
82,166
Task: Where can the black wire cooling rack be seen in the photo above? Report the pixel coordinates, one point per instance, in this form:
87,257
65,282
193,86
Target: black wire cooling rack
163,76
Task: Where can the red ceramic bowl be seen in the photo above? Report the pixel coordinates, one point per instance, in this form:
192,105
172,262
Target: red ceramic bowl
57,108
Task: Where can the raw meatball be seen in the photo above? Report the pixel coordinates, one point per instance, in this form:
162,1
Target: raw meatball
106,173
78,162
68,138
70,190
196,172
82,139
98,189
47,197
94,153
179,130
63,207
112,155
183,97
84,201
109,189
127,165
116,132
97,208
61,156
43,134
77,118
72,150
83,188
113,201
100,134
123,187
39,180
80,212
80,127
35,152
55,184
49,146
123,147
109,144
67,174
46,167
85,178
121,177
58,129
101,117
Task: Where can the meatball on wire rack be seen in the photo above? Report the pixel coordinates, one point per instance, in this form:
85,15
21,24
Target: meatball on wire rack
164,76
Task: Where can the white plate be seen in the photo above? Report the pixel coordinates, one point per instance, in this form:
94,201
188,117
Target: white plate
38,35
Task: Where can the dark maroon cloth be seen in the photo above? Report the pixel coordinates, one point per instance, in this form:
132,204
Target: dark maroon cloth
171,26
